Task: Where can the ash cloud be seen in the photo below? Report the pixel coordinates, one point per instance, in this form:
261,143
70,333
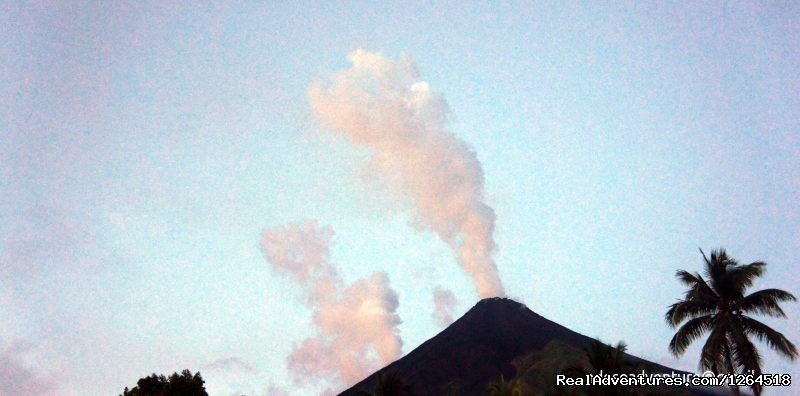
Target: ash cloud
356,324
382,105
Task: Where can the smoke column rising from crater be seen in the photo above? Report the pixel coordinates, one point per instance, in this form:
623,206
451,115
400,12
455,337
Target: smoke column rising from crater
381,104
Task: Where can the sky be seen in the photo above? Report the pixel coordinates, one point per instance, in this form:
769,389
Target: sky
230,187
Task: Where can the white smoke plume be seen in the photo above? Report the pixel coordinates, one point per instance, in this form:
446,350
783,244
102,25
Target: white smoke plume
443,302
382,105
356,325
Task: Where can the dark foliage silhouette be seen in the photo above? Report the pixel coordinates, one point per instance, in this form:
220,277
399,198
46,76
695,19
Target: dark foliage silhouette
503,387
718,305
183,384
606,359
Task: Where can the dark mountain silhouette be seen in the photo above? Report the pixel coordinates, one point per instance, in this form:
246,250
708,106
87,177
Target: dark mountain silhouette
497,336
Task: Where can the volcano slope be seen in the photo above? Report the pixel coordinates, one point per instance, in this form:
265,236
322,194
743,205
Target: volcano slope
500,336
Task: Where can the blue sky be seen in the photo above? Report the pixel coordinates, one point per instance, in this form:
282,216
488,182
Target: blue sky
145,147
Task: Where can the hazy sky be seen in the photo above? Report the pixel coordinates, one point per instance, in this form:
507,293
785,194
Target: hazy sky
145,149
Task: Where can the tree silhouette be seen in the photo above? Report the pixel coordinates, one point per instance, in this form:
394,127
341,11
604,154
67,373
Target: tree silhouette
718,305
451,389
503,387
183,384
608,360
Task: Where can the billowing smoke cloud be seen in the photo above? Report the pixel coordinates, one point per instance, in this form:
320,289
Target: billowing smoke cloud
443,302
382,105
356,325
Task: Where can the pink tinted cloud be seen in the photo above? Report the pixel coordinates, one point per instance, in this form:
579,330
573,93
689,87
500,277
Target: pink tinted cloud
355,325
381,104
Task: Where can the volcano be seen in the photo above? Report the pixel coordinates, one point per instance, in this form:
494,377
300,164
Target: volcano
497,336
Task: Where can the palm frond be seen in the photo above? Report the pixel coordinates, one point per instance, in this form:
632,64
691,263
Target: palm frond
698,287
708,262
745,355
712,357
744,352
609,359
766,302
703,289
742,276
774,339
685,309
687,278
690,331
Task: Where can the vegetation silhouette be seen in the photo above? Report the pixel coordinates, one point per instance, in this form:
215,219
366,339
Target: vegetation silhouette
451,389
183,384
719,306
503,387
604,359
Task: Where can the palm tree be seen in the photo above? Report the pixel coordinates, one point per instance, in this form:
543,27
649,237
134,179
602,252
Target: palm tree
503,387
719,306
451,389
608,360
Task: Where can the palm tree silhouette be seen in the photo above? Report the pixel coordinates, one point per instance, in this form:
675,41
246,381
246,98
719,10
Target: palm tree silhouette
608,360
503,387
718,305
451,389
